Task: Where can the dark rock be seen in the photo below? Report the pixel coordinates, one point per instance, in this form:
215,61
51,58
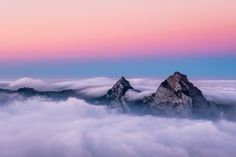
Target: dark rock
27,92
115,96
119,89
5,91
63,94
30,92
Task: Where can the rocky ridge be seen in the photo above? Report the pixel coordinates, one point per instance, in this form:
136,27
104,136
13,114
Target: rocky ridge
176,97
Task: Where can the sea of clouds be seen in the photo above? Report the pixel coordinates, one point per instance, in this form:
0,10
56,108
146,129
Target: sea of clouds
40,127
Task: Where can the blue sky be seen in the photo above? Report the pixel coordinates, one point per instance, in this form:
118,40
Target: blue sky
199,67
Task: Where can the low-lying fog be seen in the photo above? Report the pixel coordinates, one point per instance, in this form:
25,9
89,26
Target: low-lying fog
39,127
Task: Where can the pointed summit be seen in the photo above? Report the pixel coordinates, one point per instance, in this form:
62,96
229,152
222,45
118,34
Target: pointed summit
119,89
123,82
179,95
178,76
123,79
172,81
115,97
179,84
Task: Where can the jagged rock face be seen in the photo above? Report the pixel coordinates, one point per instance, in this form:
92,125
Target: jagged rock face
117,92
176,95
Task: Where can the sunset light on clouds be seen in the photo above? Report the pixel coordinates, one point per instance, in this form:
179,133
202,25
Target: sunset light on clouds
117,78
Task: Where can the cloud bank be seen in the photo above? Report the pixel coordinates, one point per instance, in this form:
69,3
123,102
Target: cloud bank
221,91
43,128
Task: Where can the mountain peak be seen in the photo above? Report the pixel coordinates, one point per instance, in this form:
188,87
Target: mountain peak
179,83
123,78
125,83
119,89
179,76
178,92
172,82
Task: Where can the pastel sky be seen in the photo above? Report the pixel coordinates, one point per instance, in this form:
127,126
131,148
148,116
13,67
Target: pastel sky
100,30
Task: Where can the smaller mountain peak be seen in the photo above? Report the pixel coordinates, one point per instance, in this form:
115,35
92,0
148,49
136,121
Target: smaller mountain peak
123,78
119,89
124,82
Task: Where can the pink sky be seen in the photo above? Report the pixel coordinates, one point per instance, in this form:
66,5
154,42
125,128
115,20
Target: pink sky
108,28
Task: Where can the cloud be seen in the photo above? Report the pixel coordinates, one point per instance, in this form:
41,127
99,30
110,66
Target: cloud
28,82
43,128
85,83
94,91
132,95
220,91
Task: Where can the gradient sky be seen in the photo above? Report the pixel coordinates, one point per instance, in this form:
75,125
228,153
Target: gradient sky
70,34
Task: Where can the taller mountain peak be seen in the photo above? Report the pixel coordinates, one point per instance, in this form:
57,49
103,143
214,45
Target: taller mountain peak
180,94
179,76
172,82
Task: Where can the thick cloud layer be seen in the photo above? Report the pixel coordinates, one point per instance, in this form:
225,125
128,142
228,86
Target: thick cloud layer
220,91
42,128
38,127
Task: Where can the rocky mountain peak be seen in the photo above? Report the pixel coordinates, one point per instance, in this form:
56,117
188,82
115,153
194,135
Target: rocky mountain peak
173,81
125,83
178,93
119,89
178,74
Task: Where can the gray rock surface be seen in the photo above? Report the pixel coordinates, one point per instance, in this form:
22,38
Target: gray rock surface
177,96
